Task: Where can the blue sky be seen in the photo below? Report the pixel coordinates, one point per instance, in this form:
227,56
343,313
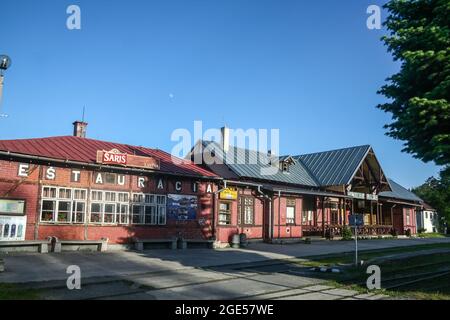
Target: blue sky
145,68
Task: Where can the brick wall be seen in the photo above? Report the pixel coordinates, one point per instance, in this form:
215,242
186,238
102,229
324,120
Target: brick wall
29,189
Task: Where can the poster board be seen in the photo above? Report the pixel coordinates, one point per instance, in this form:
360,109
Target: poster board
181,207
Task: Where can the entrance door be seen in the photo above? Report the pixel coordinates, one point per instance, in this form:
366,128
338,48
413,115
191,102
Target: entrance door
266,220
398,220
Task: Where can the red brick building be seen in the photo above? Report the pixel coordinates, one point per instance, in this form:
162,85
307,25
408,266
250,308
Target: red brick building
289,197
76,188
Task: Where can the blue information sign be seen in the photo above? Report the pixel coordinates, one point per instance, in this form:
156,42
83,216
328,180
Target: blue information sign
356,220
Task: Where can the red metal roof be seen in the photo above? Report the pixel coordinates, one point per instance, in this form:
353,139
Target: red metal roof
85,150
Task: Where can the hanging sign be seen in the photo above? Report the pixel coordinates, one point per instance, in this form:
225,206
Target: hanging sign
228,194
356,195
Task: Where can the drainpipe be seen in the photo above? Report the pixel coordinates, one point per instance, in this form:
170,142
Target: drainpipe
270,212
279,214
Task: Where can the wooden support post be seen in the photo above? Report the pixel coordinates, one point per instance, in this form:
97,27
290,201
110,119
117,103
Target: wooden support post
392,216
323,216
344,201
371,213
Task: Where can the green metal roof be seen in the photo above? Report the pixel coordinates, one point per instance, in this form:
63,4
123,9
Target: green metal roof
335,167
328,168
248,163
399,192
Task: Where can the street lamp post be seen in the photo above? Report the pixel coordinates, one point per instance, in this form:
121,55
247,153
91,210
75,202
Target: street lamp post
5,63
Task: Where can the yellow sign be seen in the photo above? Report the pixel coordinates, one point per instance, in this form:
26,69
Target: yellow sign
228,194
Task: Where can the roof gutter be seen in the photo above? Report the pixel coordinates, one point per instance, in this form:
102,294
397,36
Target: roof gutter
100,166
241,183
312,192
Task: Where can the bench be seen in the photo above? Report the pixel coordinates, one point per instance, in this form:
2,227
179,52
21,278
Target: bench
140,244
186,243
40,246
76,245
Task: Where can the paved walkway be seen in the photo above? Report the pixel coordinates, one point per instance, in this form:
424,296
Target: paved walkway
258,272
24,268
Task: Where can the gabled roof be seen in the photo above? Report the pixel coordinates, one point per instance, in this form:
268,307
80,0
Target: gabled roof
335,167
84,150
248,163
399,192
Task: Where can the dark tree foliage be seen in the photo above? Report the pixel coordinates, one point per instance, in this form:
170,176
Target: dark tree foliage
419,94
436,192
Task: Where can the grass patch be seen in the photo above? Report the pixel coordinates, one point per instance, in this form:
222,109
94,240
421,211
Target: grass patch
424,277
14,292
431,235
348,257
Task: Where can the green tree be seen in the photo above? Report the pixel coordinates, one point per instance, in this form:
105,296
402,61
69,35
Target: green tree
419,94
436,192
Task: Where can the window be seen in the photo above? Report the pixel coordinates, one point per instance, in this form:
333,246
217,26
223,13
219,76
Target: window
78,210
63,205
138,216
307,210
290,211
225,213
49,192
96,195
334,211
48,210
149,209
246,210
408,217
65,193
109,207
64,211
96,212
123,213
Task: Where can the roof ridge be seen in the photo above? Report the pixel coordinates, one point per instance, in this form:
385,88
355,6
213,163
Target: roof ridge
333,150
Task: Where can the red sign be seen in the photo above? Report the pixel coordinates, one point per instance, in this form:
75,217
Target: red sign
114,157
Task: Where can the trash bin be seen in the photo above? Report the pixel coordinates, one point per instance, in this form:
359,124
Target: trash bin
235,241
243,240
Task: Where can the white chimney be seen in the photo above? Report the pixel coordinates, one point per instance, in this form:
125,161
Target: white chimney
225,135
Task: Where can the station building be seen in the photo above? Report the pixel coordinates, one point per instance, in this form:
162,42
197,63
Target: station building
75,188
307,195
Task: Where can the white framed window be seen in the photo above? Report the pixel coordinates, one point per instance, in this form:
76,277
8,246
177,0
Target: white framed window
63,205
109,207
149,209
290,211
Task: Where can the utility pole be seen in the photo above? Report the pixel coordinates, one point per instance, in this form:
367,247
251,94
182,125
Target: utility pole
5,63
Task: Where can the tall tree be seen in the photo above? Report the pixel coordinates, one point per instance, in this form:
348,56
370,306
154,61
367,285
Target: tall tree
436,192
419,94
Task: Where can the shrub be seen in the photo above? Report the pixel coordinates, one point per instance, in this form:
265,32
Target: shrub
408,232
346,233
